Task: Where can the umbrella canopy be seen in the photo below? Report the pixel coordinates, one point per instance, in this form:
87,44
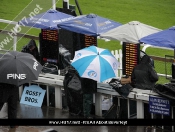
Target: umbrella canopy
95,63
90,24
130,32
46,20
165,38
18,68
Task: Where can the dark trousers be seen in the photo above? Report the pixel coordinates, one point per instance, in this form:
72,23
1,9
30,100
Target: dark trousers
12,107
87,104
10,94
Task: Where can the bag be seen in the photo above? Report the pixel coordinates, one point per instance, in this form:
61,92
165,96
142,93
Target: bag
72,80
123,90
74,83
166,90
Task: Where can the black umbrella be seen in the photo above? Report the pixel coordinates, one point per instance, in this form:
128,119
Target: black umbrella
18,68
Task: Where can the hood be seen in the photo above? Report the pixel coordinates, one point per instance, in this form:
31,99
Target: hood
31,43
145,59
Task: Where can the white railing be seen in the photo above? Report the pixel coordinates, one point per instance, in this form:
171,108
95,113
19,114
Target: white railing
118,55
140,96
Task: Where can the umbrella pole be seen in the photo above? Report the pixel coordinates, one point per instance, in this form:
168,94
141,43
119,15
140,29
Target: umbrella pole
173,67
14,42
53,4
76,2
66,4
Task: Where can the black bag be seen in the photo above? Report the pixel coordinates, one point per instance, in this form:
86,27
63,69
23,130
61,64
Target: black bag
166,90
75,83
123,90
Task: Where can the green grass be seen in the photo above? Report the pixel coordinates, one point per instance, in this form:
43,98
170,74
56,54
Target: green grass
157,13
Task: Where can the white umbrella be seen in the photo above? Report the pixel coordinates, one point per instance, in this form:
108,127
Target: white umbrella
95,63
130,32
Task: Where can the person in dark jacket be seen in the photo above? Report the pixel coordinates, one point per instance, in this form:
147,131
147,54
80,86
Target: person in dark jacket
144,76
73,92
9,93
32,49
79,93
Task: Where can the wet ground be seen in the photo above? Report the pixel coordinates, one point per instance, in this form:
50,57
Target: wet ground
25,111
80,129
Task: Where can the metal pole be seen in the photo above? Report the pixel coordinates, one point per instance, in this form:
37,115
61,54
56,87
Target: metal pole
76,2
14,42
145,47
66,4
53,4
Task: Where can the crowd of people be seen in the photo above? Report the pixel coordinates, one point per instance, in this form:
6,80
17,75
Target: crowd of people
143,77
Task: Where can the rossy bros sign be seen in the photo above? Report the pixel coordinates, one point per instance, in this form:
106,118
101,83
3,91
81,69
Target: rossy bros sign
33,95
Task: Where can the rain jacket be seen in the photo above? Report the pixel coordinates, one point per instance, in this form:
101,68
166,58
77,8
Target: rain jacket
144,76
34,52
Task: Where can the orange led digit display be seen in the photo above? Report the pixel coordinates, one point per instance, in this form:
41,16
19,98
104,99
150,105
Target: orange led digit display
131,54
51,35
90,40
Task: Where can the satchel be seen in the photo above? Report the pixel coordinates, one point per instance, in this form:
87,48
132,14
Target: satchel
122,89
166,90
75,83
